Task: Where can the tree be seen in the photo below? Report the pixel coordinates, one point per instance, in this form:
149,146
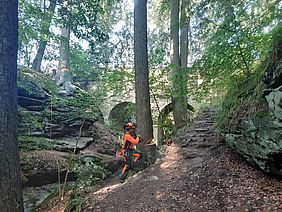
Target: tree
31,23
35,18
184,24
143,106
231,40
64,76
10,185
80,18
178,91
36,65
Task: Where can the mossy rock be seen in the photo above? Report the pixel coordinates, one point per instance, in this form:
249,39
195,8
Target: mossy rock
30,122
35,82
34,143
44,113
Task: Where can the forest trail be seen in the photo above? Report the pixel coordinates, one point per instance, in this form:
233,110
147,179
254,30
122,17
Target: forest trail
198,174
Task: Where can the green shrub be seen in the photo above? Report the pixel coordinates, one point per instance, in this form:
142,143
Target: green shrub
89,174
74,204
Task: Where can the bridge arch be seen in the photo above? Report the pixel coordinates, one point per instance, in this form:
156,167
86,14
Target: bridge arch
164,113
121,114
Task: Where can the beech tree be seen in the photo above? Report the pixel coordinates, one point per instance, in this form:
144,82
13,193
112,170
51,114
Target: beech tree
10,185
64,76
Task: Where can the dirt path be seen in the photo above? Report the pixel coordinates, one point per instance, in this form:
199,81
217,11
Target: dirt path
199,174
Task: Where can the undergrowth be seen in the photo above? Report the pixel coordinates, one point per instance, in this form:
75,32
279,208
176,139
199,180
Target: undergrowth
242,91
74,204
34,143
89,174
245,92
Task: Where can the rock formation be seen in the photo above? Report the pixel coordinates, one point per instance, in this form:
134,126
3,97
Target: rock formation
51,127
257,132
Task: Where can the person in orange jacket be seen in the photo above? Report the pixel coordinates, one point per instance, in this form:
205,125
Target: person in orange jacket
130,139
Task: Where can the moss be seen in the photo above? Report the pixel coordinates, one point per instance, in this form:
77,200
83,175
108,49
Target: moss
34,143
30,120
262,113
36,82
81,106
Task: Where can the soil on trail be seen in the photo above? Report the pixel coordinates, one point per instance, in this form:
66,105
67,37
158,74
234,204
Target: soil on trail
198,174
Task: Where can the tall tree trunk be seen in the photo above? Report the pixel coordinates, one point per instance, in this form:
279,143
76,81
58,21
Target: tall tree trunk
64,61
36,65
10,184
184,24
179,109
143,106
63,76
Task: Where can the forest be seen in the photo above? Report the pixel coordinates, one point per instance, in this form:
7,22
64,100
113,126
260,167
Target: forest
140,105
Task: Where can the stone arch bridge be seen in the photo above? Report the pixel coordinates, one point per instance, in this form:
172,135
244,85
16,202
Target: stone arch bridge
117,109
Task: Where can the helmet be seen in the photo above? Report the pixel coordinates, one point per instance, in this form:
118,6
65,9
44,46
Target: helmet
130,125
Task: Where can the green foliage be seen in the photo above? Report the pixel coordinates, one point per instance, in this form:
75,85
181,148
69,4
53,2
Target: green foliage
89,174
160,82
243,89
31,13
245,92
275,35
81,18
158,48
83,64
235,39
74,204
168,127
117,82
156,56
34,143
90,20
162,13
227,41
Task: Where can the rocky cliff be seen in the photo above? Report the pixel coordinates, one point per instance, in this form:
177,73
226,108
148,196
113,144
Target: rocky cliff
255,128
51,127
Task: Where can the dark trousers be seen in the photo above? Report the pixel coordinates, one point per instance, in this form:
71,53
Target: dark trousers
128,157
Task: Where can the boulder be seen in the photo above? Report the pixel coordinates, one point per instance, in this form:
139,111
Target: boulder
110,163
70,143
259,139
104,140
42,167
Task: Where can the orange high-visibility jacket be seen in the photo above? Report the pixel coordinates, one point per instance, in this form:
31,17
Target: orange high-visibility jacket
129,141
